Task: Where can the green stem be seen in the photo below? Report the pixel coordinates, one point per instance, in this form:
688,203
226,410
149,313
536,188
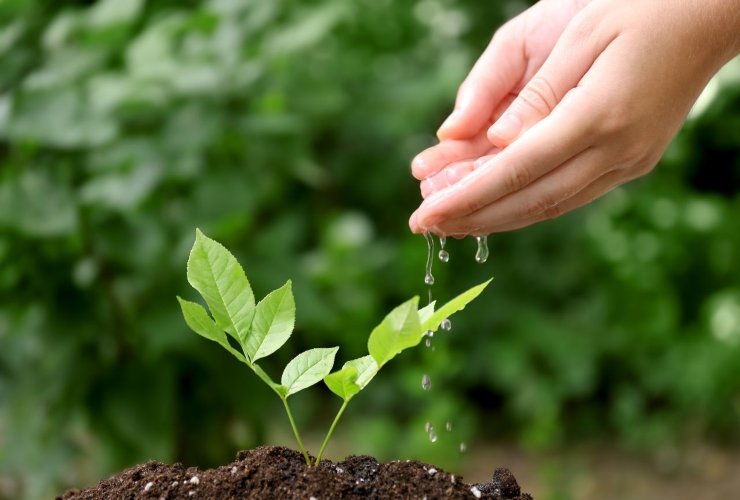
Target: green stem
331,431
295,431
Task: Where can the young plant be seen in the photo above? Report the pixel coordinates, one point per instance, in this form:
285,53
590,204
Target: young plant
260,329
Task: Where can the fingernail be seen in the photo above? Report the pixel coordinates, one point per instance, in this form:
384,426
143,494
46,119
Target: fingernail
413,225
507,127
448,122
419,167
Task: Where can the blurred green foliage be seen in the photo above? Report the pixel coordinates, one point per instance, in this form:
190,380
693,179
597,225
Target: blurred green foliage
284,129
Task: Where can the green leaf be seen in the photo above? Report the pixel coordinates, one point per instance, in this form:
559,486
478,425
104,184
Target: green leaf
426,312
219,278
399,330
342,382
453,306
198,320
352,378
366,369
308,368
272,324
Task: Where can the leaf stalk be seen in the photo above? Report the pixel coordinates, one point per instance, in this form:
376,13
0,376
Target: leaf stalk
331,431
295,431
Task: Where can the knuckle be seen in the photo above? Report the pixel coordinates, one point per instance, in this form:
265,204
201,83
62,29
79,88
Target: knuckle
538,207
643,166
582,27
539,95
552,212
472,205
517,179
611,122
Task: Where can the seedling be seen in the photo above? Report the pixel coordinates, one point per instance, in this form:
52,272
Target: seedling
261,329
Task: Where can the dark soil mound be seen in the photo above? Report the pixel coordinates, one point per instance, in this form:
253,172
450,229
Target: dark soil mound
277,472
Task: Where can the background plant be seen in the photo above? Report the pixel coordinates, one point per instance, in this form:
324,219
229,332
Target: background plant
284,129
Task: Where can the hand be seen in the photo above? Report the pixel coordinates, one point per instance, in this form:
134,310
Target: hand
606,87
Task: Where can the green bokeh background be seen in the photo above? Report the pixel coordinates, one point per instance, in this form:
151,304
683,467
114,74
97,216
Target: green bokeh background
284,129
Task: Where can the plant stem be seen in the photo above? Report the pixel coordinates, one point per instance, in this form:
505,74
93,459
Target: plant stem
331,431
295,431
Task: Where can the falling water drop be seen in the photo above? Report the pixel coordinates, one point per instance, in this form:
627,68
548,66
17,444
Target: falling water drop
428,342
446,325
463,447
426,382
448,426
428,277
443,254
432,436
481,255
428,427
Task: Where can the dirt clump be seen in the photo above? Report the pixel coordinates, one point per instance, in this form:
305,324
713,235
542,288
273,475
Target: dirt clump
277,472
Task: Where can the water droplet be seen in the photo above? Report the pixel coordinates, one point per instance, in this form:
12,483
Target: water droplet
443,254
463,447
428,277
446,324
428,342
481,255
428,427
426,382
432,436
429,333
448,426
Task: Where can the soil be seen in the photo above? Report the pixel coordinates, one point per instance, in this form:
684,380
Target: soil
277,472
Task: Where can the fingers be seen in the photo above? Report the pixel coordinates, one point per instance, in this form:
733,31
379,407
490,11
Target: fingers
432,160
544,198
570,59
596,189
494,75
549,144
451,175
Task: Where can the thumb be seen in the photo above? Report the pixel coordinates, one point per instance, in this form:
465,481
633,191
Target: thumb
491,80
570,59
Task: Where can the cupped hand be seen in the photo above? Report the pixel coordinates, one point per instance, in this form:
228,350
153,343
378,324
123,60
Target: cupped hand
601,100
515,54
